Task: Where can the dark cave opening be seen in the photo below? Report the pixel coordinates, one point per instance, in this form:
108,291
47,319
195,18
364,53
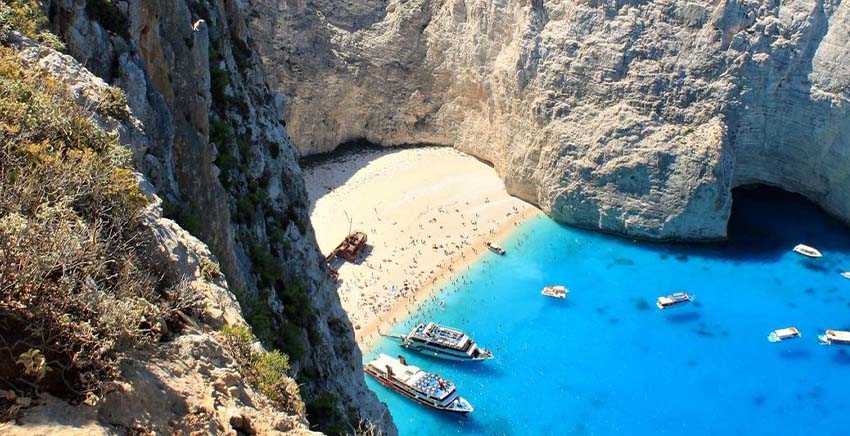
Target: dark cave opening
767,220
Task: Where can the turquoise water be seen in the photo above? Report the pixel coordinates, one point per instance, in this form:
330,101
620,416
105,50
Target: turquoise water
606,361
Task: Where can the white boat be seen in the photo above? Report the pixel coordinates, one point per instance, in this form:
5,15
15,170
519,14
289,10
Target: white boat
443,342
420,386
846,274
555,291
805,250
673,300
495,248
783,334
835,337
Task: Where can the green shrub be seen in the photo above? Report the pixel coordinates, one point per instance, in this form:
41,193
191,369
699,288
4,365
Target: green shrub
220,133
265,370
219,80
265,266
184,215
289,339
262,319
324,415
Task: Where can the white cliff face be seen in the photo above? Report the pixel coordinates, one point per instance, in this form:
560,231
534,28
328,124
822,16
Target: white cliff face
631,117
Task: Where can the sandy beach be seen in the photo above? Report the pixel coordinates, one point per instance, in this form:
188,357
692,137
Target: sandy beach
427,212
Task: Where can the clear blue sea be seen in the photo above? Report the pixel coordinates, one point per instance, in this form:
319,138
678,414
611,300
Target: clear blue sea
606,361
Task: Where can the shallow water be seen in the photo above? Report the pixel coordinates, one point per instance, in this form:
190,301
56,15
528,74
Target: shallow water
606,361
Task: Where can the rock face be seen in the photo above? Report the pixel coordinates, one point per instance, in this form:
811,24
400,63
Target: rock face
188,385
213,144
631,117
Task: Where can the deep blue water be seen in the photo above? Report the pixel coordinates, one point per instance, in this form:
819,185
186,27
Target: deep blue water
606,361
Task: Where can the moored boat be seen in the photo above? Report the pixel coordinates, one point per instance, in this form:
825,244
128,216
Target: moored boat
846,274
555,291
443,342
495,248
805,250
412,382
783,334
673,300
835,337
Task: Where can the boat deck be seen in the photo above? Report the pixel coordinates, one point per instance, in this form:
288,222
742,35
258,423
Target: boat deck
432,385
442,336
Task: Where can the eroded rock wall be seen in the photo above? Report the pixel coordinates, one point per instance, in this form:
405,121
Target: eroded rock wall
631,117
216,149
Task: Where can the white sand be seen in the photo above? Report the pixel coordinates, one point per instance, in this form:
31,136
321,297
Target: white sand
427,213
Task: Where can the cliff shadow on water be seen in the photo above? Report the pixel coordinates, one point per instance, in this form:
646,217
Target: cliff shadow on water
765,224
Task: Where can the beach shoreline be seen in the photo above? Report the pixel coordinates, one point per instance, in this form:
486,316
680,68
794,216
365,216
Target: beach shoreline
369,335
427,213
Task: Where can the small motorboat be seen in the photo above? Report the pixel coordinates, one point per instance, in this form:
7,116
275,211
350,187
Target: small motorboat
835,337
783,334
846,275
805,250
495,248
555,291
673,300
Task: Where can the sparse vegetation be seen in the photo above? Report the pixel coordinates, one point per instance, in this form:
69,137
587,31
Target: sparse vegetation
114,103
323,410
209,269
266,266
185,216
265,370
75,294
27,17
219,79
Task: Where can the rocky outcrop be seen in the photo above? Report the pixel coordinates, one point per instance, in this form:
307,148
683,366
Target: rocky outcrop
214,147
631,117
188,385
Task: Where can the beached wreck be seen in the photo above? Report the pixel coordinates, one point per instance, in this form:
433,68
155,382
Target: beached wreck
350,248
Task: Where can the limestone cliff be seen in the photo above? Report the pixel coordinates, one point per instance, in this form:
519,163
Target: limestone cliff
214,147
631,117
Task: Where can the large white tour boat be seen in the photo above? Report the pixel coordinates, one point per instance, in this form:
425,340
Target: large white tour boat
420,386
443,342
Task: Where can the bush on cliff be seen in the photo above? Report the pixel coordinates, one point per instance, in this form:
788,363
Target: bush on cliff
75,294
265,370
